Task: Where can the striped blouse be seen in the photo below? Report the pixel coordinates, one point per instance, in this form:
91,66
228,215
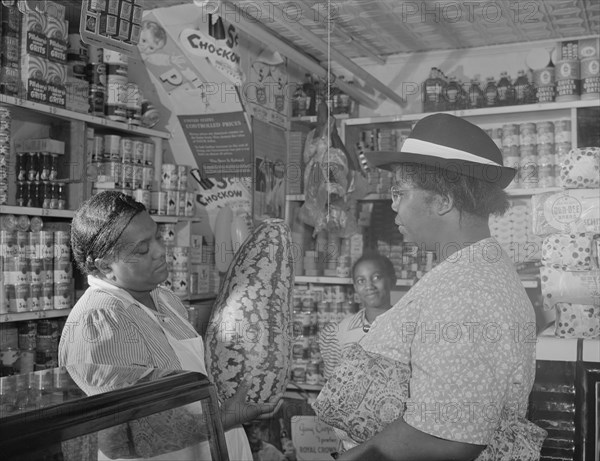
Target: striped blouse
101,329
334,337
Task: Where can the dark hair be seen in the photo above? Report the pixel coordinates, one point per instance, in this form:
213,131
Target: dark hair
381,261
98,225
471,195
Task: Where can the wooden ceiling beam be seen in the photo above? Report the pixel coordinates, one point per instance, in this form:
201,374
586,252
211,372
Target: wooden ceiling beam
295,27
260,32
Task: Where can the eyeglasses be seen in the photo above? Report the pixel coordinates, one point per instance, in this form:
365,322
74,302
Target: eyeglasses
397,193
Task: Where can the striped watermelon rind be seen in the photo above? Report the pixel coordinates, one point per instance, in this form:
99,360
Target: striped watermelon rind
249,333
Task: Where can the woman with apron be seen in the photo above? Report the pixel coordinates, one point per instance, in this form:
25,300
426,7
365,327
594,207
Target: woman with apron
126,319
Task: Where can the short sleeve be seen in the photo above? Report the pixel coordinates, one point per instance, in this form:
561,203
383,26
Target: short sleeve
330,348
103,335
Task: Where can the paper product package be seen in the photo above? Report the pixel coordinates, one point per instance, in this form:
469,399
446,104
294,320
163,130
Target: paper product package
566,212
577,321
578,287
571,252
580,168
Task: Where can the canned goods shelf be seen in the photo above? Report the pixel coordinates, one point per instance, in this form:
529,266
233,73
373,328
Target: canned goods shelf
19,210
33,315
70,115
173,219
343,280
292,386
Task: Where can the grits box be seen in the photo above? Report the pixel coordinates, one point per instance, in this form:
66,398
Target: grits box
33,73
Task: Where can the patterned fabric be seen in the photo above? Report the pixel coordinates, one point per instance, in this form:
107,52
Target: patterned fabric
467,329
334,337
379,390
365,393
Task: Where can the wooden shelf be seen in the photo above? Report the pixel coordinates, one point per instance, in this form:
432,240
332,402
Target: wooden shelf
173,219
540,107
313,118
45,212
99,122
386,196
200,297
33,315
527,283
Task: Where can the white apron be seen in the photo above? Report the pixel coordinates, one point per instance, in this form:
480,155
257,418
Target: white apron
190,353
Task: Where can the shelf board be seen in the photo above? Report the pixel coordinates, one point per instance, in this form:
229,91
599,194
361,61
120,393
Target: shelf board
533,191
313,118
386,196
343,280
549,347
539,107
45,212
200,297
33,315
527,283
71,115
173,219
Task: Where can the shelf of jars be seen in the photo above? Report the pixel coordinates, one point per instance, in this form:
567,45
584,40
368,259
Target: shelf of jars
33,315
99,122
502,110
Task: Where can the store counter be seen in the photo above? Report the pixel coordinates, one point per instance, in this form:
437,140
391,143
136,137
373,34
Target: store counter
137,412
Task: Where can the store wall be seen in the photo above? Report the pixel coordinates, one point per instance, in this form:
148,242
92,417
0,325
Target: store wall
405,74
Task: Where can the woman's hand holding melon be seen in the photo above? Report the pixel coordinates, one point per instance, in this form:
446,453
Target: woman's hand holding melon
237,410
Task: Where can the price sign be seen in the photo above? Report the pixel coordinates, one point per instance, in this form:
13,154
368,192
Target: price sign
313,439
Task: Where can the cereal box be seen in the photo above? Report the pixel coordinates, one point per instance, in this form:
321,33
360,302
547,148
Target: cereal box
34,40
57,35
56,78
33,74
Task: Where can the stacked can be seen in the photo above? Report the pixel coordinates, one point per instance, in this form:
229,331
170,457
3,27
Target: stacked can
545,152
510,150
117,69
124,164
37,270
562,144
314,306
177,261
568,80
545,84
528,155
5,124
95,74
173,199
48,333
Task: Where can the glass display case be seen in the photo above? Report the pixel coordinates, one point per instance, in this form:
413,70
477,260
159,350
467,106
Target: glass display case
97,412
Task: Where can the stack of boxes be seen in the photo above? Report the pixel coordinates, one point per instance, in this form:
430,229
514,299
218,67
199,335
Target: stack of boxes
118,19
5,124
569,221
10,35
44,54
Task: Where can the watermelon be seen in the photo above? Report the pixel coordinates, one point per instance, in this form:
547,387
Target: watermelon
249,334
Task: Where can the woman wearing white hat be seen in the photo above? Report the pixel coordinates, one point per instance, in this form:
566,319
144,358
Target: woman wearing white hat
460,337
